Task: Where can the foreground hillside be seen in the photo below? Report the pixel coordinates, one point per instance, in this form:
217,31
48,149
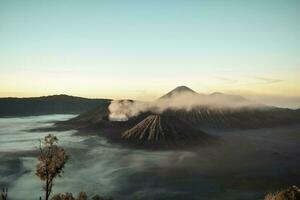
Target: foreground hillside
56,104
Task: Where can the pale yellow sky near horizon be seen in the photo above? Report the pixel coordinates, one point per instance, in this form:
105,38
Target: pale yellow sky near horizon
27,84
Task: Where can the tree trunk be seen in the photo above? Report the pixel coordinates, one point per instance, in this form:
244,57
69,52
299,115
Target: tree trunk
47,188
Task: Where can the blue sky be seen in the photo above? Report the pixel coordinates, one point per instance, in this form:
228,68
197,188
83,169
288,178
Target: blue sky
142,49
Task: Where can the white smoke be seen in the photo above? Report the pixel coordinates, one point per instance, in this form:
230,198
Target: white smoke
122,110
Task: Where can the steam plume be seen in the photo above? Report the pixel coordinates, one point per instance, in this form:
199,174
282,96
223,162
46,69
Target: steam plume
122,110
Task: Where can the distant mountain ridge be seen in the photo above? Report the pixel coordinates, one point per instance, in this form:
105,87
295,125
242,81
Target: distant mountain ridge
207,98
54,104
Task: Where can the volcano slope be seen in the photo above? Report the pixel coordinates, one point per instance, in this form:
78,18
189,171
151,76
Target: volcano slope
164,131
242,118
200,116
176,129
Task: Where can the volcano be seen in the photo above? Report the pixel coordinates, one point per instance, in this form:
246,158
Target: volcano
164,130
178,90
180,125
252,115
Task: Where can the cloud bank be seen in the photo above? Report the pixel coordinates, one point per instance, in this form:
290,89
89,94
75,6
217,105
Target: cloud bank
122,110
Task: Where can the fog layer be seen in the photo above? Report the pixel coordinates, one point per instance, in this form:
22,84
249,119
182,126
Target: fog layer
244,165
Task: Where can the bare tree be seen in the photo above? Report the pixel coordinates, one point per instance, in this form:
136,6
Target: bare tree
4,194
52,160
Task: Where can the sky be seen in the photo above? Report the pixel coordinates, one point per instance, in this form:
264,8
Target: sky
142,49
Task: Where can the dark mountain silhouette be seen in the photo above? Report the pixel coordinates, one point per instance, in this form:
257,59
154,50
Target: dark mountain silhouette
56,104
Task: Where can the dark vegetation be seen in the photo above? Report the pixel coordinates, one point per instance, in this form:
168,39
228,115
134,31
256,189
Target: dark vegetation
56,104
81,196
291,193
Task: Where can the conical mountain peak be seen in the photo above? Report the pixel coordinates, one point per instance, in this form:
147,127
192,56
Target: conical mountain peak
179,89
